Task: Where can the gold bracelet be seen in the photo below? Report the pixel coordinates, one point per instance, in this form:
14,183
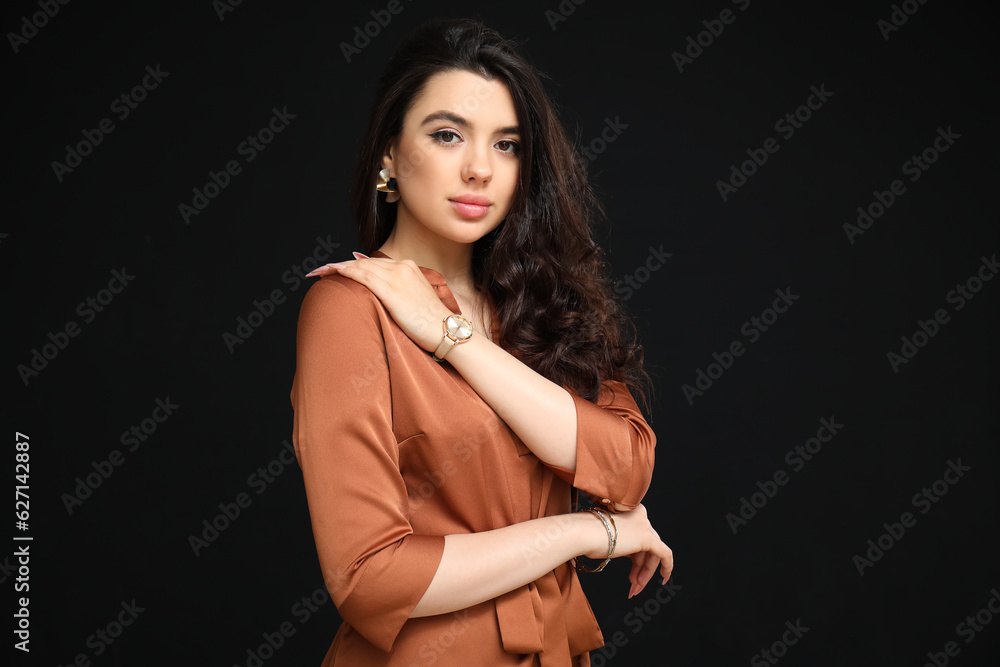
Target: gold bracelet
612,539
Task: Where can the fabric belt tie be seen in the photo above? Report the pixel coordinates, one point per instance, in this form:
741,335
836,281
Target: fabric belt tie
521,616
519,613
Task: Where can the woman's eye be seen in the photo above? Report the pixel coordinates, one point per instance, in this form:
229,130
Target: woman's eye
508,146
445,136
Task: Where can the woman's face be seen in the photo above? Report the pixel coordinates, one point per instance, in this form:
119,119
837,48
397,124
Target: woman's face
456,160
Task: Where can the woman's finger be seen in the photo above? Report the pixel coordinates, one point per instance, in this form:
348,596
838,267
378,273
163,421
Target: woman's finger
636,566
667,563
326,269
643,566
373,265
664,555
638,561
648,569
332,267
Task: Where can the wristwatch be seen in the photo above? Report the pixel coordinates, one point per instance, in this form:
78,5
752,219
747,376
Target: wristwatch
457,330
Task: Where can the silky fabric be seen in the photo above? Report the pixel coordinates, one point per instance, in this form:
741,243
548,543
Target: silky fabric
397,451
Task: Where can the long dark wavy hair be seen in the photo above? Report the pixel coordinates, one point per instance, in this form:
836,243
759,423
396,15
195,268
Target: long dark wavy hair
546,274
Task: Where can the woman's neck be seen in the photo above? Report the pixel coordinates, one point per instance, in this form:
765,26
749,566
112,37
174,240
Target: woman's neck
455,264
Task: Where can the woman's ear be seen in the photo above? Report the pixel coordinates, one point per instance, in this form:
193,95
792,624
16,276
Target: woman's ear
387,156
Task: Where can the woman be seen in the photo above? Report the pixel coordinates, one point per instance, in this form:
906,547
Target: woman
453,387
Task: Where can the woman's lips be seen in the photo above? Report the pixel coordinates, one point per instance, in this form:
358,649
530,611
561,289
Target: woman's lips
470,210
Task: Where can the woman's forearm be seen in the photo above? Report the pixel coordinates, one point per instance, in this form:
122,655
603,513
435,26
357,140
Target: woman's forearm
480,566
538,410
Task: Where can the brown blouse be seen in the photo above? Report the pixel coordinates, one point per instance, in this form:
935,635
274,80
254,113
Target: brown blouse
397,451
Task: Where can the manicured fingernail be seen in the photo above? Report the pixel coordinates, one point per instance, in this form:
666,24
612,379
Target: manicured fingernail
358,255
322,270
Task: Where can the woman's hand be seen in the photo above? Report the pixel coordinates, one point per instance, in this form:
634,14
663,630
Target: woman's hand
638,540
403,290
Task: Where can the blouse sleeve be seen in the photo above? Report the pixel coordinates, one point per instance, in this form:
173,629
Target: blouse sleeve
614,448
375,568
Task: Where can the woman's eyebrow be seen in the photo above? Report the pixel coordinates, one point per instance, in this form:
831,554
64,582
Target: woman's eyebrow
447,116
462,122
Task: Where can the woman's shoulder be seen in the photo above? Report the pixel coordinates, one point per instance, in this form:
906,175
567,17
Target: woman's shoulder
339,296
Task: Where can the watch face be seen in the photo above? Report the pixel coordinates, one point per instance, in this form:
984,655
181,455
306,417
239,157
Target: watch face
459,327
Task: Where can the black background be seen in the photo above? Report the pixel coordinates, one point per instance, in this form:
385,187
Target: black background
826,357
